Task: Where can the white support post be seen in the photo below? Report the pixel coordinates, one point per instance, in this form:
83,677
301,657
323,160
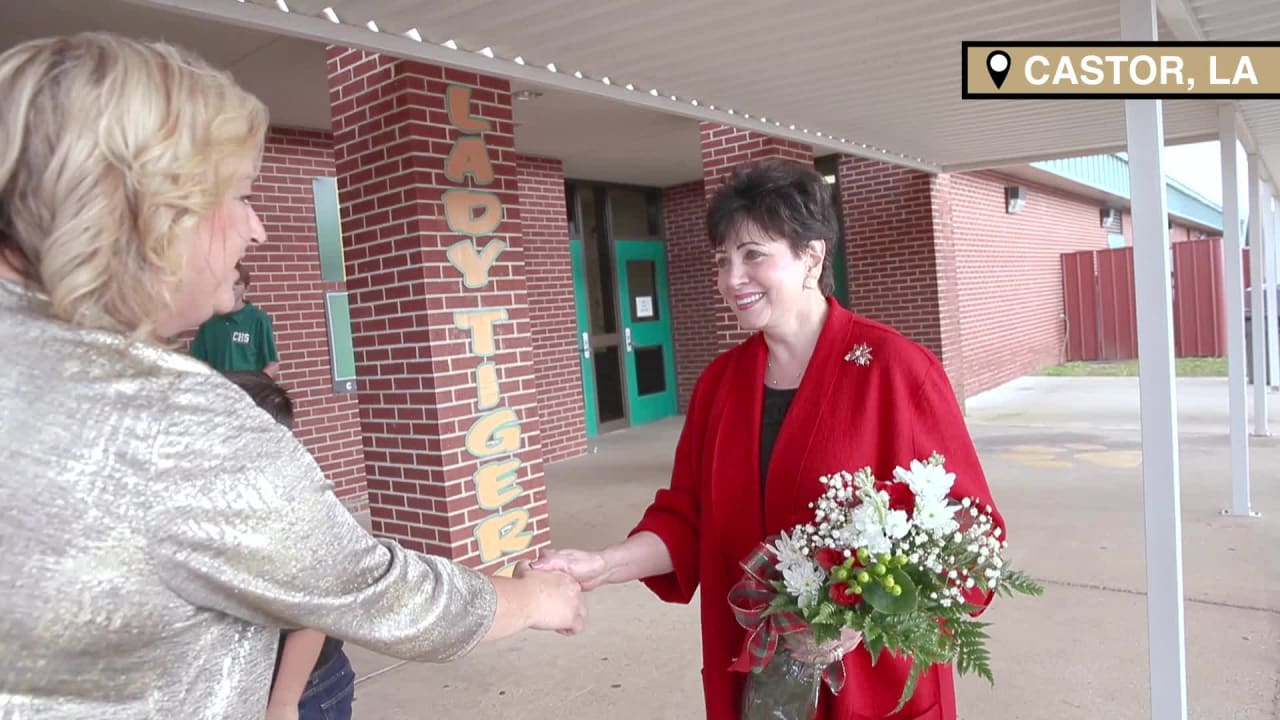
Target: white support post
1161,481
1258,282
1233,267
1273,320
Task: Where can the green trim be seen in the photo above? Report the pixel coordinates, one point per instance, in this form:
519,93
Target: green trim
324,192
589,411
342,355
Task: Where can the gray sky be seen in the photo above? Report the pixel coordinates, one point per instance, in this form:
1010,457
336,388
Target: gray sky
1199,166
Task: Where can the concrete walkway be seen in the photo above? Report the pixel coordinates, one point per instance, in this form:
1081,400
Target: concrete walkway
1062,458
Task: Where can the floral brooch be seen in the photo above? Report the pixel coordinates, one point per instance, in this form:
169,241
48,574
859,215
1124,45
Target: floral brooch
859,355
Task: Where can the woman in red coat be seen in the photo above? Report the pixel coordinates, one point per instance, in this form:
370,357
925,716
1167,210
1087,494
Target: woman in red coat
814,391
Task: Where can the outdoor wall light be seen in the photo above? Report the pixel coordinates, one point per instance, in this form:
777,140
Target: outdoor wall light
1015,198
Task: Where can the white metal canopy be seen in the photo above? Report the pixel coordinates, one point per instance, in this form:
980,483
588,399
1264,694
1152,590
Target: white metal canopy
880,80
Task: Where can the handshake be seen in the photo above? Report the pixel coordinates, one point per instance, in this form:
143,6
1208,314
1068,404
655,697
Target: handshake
552,588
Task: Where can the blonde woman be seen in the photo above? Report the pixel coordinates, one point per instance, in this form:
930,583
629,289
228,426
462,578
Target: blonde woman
157,528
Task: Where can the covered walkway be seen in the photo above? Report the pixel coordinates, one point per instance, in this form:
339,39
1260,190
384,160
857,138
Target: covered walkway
879,83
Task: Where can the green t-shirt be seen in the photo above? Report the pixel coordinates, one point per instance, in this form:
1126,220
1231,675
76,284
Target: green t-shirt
241,340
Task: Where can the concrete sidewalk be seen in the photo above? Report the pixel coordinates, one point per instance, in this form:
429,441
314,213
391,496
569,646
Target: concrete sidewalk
1071,490
1104,403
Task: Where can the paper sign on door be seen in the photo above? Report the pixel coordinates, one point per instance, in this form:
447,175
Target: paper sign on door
644,307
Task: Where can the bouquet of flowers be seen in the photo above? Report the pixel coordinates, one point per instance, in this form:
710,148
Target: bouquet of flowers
895,561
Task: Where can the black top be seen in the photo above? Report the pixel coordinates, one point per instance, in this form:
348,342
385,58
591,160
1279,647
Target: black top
776,403
332,648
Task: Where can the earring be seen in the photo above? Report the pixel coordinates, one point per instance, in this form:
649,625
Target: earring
810,283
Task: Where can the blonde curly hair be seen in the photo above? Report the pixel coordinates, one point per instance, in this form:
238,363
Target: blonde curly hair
111,151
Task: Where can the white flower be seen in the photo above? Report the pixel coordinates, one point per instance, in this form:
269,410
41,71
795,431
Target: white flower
936,516
897,524
803,580
869,532
790,549
926,481
876,544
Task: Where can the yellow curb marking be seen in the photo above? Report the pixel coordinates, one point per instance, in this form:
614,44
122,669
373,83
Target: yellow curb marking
1114,458
1037,449
1047,464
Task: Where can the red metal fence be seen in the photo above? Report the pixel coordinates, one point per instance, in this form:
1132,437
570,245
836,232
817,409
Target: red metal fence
1199,299
1080,298
1101,311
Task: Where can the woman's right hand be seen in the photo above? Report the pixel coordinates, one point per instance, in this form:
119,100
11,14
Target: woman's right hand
589,568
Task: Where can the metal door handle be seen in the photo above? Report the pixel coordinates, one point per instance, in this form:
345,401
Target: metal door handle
586,346
627,334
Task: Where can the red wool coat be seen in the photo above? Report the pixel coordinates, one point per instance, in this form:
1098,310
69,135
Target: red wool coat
844,416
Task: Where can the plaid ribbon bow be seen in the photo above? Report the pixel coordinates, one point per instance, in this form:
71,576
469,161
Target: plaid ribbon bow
750,599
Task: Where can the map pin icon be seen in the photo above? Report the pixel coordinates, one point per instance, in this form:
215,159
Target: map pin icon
998,67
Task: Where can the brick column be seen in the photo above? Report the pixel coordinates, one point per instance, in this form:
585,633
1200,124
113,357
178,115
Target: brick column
427,179
692,279
553,319
901,254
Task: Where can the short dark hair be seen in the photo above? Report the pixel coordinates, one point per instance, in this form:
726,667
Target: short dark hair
784,198
266,392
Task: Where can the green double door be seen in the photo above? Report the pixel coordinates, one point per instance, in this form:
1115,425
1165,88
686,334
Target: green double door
625,346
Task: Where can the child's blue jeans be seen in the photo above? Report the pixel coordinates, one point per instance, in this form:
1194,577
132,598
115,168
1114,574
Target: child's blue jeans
329,692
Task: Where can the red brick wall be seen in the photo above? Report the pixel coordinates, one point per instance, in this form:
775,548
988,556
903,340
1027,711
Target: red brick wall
692,278
945,244
938,258
422,382
896,256
285,282
553,320
1178,233
724,147
1010,273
